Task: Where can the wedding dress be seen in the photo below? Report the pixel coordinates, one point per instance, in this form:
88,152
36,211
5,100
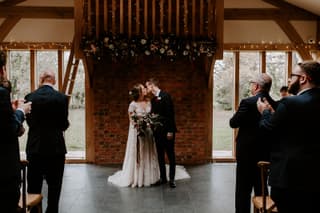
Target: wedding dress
140,166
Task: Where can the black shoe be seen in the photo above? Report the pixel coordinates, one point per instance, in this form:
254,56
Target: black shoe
172,184
159,182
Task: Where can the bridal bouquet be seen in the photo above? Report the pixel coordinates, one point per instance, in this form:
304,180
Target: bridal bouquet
141,123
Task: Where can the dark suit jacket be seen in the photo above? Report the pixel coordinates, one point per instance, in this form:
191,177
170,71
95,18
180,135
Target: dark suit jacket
296,145
47,122
251,143
10,123
164,107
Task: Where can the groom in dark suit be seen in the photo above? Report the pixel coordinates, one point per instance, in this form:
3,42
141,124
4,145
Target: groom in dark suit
46,147
162,105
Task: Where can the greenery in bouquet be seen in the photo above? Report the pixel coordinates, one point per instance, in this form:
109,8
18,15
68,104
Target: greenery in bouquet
141,123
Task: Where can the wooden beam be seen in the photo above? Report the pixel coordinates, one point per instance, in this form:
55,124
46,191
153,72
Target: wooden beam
266,46
73,77
105,15
294,37
7,25
121,16
177,17
11,3
68,71
35,45
263,14
97,19
288,9
38,12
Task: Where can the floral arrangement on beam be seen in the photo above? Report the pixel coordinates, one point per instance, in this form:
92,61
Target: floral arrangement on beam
122,47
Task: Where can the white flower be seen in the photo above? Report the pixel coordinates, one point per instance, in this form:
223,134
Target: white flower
162,50
166,41
147,52
143,41
111,46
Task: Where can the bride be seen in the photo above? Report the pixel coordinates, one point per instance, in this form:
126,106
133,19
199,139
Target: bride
140,166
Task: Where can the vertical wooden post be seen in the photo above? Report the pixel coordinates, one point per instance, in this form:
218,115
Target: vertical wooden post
97,19
177,17
121,16
201,17
33,62
169,15
185,18
60,69
89,18
153,17
105,15
129,18
114,9
236,79
137,17
263,63
145,17
161,16
193,18
289,64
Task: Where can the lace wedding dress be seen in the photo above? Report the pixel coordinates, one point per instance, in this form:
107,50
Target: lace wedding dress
140,166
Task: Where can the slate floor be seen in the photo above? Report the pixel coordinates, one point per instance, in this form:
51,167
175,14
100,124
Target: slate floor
86,190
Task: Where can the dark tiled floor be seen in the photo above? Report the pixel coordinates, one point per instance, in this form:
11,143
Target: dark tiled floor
86,190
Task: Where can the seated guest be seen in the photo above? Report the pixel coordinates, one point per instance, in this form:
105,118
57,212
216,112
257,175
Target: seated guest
284,91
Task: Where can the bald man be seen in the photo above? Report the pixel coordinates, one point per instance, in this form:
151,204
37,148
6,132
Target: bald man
46,147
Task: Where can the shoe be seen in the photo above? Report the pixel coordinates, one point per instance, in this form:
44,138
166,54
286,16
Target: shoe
159,182
172,184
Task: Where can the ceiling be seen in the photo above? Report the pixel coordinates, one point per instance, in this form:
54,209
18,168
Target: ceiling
310,5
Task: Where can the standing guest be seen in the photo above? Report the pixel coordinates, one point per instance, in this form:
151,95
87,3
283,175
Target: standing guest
10,127
162,105
46,147
250,143
294,181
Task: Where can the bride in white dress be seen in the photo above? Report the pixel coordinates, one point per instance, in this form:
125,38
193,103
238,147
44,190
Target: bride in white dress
140,166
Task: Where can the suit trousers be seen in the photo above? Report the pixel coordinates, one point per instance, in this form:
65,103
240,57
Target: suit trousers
165,146
9,196
295,201
51,169
247,179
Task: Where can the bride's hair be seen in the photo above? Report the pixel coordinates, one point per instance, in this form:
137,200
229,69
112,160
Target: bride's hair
135,92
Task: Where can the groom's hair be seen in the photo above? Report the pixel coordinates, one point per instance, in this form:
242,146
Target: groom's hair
154,81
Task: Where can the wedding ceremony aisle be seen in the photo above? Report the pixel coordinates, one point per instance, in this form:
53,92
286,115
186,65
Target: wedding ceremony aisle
86,190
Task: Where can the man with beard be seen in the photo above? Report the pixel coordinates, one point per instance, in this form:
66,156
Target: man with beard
295,151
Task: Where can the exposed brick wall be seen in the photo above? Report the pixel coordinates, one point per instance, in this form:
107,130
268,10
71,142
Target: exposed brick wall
188,87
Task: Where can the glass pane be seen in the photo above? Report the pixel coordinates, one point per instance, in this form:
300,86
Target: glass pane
19,72
249,67
75,135
222,106
277,69
47,60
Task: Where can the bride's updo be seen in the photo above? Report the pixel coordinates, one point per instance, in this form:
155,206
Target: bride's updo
135,92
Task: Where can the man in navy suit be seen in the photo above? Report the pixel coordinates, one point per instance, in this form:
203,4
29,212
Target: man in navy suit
294,126
250,142
162,105
46,147
10,128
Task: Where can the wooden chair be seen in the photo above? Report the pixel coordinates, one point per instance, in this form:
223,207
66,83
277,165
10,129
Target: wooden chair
28,201
264,203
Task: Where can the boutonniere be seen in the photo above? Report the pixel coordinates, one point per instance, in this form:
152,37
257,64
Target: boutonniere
158,98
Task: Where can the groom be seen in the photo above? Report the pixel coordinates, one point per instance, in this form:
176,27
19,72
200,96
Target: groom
162,105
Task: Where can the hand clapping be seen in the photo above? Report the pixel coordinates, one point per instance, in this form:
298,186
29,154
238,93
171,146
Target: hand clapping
263,104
